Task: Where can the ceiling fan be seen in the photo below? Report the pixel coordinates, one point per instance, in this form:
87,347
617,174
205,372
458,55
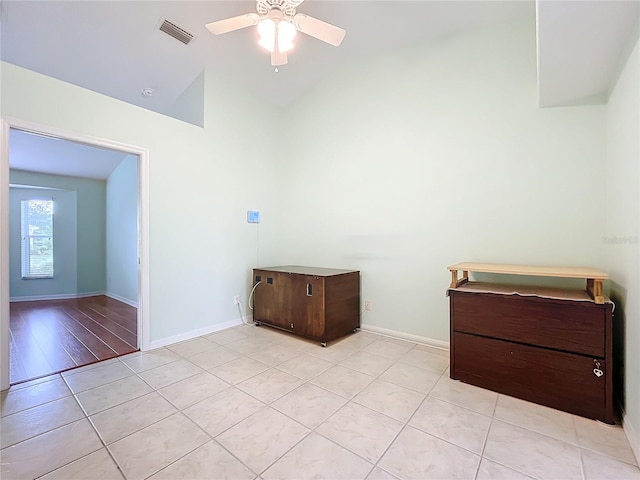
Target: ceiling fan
277,23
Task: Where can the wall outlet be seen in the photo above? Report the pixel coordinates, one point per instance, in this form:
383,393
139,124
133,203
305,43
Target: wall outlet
368,305
236,299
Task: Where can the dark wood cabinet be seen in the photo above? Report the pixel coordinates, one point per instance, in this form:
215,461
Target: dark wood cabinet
552,351
318,303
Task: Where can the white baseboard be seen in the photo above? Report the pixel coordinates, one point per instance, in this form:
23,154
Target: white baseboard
131,303
439,344
632,435
60,296
199,332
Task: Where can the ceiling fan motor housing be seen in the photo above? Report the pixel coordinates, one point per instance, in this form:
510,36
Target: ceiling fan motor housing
287,7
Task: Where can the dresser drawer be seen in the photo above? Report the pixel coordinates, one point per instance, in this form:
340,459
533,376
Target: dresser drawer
559,380
577,327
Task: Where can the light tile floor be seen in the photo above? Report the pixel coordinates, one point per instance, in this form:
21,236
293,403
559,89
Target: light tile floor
254,403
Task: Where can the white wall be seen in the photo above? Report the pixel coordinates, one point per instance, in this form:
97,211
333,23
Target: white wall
122,231
202,181
436,154
620,238
65,279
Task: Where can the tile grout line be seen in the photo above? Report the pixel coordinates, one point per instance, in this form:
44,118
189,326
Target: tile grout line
427,396
37,405
583,470
104,445
484,442
348,400
44,431
211,439
86,418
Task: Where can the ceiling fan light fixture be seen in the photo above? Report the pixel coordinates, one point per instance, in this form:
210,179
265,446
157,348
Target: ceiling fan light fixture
267,31
286,34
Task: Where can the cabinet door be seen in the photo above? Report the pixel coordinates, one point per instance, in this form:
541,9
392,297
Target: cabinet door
307,305
272,299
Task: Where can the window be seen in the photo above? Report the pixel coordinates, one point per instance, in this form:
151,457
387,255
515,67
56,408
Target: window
37,238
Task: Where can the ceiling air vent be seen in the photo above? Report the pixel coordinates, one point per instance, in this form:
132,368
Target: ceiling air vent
176,32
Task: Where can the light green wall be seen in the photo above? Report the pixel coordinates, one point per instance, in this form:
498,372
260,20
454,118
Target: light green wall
620,239
122,231
435,154
90,236
202,182
65,275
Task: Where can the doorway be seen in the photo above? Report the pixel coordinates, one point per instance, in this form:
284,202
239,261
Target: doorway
88,308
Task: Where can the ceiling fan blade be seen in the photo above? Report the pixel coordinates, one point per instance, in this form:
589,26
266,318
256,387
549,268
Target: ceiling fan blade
317,28
233,23
278,58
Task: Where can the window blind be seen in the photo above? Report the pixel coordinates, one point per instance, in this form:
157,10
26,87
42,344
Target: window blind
36,220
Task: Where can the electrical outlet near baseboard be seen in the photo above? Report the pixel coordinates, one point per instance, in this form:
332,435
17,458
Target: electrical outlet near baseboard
368,305
236,299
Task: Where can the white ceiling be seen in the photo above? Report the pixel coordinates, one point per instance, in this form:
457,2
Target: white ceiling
581,48
115,47
39,153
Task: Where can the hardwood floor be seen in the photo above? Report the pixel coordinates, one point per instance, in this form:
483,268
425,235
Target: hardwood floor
51,336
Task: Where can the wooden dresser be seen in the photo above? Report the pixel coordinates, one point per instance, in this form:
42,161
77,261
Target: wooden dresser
318,303
545,345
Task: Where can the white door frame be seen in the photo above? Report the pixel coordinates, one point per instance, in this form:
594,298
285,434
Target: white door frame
143,227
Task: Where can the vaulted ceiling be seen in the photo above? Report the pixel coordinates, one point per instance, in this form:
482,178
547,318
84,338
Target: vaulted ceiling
43,154
116,48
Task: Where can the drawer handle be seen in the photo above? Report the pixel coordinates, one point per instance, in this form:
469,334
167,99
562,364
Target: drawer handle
596,371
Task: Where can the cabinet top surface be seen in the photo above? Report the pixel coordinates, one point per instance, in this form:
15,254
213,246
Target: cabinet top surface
552,293
317,271
541,271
